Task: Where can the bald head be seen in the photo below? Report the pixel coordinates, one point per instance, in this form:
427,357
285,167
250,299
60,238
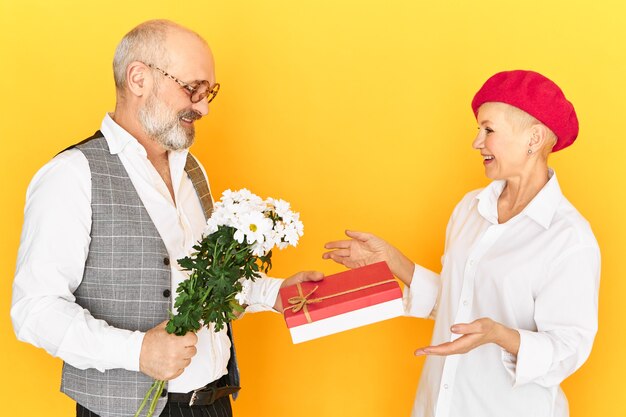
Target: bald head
152,42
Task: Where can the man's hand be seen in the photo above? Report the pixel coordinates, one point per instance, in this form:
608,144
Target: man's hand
165,356
364,249
297,279
476,333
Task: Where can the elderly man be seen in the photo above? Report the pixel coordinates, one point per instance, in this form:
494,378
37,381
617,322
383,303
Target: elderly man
104,224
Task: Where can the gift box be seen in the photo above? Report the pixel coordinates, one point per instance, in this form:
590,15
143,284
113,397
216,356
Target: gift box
341,302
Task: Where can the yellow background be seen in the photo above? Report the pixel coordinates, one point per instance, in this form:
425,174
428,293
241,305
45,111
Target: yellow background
357,112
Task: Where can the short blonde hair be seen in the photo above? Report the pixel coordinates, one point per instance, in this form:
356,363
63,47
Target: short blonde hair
522,121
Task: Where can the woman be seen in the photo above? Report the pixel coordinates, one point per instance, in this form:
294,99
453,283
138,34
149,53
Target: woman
515,305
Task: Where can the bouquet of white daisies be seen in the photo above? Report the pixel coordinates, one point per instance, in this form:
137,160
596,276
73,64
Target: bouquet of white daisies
236,247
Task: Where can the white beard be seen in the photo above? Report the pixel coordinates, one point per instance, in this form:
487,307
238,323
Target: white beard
164,127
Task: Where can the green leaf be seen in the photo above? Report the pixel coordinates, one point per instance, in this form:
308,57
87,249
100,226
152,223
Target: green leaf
215,267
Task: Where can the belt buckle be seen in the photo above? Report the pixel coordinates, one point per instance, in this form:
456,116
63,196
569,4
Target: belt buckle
193,398
194,395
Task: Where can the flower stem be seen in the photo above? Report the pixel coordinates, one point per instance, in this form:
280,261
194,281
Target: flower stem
145,398
156,397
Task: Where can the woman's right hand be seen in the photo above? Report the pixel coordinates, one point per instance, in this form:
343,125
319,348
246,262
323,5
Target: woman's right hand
365,249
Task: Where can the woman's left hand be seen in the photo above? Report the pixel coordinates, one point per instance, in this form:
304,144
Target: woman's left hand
476,333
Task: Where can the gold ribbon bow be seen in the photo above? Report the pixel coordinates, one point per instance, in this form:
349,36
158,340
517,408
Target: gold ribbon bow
301,301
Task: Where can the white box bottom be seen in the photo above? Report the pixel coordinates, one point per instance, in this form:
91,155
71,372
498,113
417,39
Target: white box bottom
346,321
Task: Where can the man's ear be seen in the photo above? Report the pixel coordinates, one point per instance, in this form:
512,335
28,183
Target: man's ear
137,80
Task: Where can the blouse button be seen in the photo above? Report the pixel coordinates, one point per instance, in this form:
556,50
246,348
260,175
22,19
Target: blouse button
166,261
167,293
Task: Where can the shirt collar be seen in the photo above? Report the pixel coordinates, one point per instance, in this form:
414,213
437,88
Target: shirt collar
541,209
118,138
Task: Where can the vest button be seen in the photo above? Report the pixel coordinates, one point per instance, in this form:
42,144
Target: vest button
164,393
166,261
167,293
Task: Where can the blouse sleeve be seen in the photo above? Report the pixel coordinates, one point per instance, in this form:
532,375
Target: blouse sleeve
421,296
566,315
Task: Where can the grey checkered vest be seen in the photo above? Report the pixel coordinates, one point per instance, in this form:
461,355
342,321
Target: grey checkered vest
124,282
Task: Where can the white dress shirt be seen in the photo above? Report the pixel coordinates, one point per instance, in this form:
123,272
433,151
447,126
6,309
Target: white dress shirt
54,246
537,273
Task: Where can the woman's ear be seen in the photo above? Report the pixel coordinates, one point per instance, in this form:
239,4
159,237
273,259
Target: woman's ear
541,140
540,137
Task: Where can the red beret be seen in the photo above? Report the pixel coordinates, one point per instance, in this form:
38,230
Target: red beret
537,96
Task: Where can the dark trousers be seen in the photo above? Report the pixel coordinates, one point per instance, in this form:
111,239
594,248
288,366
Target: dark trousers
220,408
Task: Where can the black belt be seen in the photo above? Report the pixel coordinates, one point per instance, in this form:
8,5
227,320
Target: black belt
203,396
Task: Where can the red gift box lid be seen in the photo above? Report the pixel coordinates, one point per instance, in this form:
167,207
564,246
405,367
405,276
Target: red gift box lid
340,293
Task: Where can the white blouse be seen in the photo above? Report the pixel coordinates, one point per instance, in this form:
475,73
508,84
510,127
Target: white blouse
537,273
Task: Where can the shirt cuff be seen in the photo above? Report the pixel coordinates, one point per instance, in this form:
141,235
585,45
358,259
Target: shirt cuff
133,349
533,360
509,361
261,294
421,296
